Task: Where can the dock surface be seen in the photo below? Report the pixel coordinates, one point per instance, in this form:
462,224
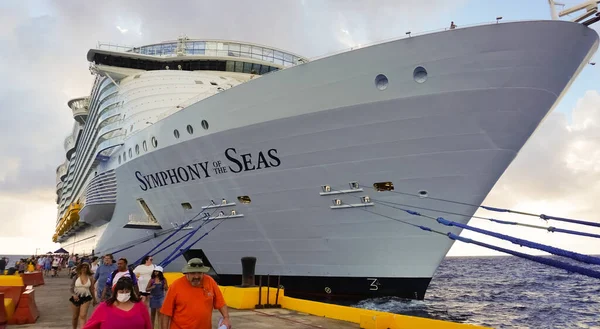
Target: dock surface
53,304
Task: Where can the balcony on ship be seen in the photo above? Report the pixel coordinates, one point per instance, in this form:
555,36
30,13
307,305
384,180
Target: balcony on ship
100,199
109,115
80,108
69,145
61,173
59,187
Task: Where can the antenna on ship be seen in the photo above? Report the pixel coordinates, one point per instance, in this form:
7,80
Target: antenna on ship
590,7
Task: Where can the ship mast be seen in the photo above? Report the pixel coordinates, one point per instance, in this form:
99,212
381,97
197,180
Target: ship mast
590,7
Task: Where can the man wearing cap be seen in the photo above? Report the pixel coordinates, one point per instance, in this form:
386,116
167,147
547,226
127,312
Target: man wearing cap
190,300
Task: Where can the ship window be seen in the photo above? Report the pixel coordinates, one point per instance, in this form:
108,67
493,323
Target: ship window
244,199
423,194
154,142
198,82
230,66
239,66
383,186
145,146
420,74
213,83
130,153
124,156
190,129
204,124
247,67
137,149
381,82
264,69
186,206
176,133
119,159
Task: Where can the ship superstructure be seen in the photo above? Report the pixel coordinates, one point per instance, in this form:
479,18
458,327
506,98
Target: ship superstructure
110,114
278,156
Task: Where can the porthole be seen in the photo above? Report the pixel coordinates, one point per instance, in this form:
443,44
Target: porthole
130,153
145,146
190,129
383,186
176,133
423,194
381,82
119,159
137,149
204,124
420,74
124,156
154,142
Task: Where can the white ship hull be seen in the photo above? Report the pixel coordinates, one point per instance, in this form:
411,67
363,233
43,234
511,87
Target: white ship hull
326,123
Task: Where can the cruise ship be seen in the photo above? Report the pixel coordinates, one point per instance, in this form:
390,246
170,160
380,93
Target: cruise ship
269,154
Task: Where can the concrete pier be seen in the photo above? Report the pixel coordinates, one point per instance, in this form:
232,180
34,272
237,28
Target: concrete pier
52,300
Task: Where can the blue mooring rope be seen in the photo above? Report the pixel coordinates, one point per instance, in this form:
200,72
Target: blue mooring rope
538,259
522,242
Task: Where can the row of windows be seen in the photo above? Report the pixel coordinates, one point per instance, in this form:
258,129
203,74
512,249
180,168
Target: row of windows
210,48
184,65
154,142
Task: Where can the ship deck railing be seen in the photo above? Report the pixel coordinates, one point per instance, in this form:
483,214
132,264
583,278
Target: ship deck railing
410,34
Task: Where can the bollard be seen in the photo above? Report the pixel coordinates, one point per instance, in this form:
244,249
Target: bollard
248,265
277,305
268,304
259,305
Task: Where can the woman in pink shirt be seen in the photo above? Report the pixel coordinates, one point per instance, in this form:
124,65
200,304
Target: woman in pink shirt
122,311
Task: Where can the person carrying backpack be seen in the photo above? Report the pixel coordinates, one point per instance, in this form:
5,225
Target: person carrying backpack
121,271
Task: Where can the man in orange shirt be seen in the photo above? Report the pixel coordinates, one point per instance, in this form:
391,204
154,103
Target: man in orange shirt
190,300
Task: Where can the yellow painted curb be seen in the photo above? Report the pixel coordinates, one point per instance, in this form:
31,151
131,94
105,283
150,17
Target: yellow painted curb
247,298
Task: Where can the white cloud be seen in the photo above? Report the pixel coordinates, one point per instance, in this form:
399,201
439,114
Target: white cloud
556,173
8,167
27,222
122,30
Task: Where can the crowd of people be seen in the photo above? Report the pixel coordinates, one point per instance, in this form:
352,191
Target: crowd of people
127,297
50,264
139,297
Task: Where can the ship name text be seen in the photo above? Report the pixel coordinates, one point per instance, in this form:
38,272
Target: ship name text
235,163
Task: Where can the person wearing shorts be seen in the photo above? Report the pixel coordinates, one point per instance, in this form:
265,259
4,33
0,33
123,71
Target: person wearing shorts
143,273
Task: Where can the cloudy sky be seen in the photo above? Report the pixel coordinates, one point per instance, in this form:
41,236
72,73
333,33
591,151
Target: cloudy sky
43,65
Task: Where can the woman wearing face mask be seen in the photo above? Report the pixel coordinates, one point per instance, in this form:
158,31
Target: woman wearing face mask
122,310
